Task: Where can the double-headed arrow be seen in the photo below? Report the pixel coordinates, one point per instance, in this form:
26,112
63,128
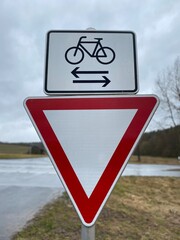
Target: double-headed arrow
76,73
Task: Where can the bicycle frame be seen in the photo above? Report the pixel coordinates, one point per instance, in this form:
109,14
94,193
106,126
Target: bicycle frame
98,44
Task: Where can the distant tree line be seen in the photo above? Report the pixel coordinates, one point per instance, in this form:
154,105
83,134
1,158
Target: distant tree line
36,148
164,143
161,143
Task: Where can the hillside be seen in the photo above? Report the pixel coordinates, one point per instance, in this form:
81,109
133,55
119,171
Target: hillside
21,148
162,143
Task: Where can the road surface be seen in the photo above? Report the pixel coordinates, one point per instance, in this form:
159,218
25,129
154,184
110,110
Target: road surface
25,187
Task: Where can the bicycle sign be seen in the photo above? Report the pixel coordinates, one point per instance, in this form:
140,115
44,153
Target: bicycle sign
104,55
90,62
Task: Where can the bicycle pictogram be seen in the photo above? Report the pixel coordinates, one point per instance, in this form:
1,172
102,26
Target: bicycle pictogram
103,54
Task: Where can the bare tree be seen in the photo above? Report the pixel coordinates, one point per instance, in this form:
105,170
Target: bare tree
168,90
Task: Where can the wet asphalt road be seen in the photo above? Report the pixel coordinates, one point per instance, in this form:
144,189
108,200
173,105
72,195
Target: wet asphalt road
25,187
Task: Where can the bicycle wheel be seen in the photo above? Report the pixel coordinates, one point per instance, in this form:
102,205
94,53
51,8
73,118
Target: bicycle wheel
105,55
74,55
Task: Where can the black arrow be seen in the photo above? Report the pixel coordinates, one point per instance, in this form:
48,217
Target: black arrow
75,72
106,81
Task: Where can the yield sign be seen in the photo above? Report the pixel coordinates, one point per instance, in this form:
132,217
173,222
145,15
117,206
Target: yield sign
90,141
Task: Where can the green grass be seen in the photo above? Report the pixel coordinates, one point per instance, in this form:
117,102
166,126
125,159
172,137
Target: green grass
13,151
154,160
16,151
13,148
20,156
140,208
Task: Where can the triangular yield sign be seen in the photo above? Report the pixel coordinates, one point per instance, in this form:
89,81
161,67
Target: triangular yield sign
90,140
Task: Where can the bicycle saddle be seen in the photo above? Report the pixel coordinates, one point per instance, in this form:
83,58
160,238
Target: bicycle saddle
99,38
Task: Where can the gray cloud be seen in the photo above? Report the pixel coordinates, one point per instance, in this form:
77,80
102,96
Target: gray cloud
24,25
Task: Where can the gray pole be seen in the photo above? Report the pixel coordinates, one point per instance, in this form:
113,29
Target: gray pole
88,233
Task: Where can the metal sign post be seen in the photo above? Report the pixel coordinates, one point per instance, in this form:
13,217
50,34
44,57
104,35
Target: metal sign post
88,233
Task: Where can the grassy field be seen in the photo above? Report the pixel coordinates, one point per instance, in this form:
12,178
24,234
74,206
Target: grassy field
7,148
16,151
19,156
140,208
154,160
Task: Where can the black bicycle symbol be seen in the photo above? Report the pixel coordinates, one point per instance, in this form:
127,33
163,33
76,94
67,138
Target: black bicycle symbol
75,55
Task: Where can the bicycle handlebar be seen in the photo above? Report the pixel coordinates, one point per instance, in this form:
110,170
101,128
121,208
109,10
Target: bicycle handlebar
82,38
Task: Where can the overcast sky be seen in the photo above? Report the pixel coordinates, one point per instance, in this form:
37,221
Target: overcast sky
24,24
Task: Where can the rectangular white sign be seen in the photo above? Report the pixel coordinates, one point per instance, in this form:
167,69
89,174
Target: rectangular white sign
84,62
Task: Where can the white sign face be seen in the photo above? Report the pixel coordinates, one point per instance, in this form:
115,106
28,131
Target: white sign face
88,141
90,62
